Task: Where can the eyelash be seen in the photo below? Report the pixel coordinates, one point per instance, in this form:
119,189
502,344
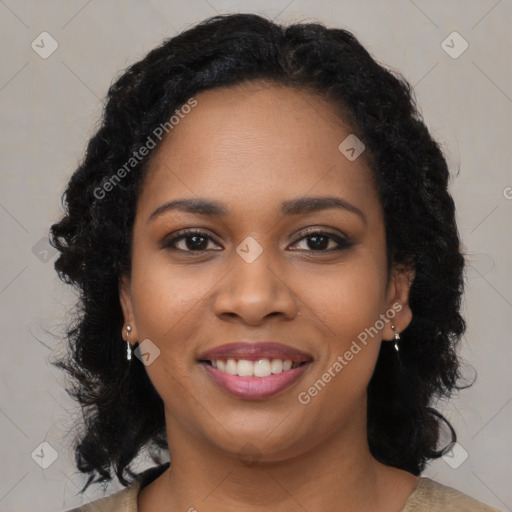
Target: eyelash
343,243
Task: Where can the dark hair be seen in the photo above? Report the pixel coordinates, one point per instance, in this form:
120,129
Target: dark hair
122,411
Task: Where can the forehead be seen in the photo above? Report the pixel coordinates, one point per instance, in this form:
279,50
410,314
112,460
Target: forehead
254,142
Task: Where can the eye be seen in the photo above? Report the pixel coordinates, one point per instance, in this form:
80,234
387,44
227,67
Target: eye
319,241
191,240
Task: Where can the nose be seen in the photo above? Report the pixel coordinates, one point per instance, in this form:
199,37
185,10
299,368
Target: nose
253,292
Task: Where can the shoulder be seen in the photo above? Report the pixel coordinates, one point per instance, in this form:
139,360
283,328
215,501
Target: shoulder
432,496
125,500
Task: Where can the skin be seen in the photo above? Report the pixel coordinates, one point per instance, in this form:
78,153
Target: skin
252,147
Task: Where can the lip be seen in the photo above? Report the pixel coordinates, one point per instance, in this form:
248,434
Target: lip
253,351
255,387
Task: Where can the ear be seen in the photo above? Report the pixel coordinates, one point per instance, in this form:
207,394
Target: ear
125,298
398,301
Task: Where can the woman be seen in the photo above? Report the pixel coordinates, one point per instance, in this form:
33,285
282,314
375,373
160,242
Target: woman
270,277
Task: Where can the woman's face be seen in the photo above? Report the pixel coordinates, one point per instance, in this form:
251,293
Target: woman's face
273,266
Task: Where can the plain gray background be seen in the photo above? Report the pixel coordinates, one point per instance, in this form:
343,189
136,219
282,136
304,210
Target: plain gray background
51,106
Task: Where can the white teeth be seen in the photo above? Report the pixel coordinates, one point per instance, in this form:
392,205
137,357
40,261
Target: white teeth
245,368
262,368
231,366
276,365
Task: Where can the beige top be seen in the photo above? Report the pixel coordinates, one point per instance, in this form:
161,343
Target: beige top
427,496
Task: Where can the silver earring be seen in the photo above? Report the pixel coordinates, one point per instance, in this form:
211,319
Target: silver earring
128,348
396,338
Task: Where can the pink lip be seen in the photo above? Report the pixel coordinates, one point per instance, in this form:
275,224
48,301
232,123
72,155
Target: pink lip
255,387
254,351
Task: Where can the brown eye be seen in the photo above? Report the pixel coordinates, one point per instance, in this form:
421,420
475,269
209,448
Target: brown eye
195,242
189,241
321,241
318,242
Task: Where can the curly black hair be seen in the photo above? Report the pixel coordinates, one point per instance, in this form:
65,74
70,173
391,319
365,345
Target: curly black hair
123,413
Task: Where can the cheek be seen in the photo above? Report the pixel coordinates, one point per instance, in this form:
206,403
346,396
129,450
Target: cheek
169,308
345,306
168,305
344,299
167,297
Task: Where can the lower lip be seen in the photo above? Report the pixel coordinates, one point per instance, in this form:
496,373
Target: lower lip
255,387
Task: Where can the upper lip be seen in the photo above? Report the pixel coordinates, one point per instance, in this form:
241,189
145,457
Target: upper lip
252,351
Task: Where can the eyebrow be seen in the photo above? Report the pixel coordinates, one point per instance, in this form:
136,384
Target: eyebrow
299,206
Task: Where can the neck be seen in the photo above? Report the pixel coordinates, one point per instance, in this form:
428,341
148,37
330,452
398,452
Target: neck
339,473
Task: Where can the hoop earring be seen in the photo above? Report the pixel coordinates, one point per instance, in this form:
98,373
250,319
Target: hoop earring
396,338
128,348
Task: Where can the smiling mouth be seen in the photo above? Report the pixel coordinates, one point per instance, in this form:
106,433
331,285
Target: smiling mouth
264,367
255,370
